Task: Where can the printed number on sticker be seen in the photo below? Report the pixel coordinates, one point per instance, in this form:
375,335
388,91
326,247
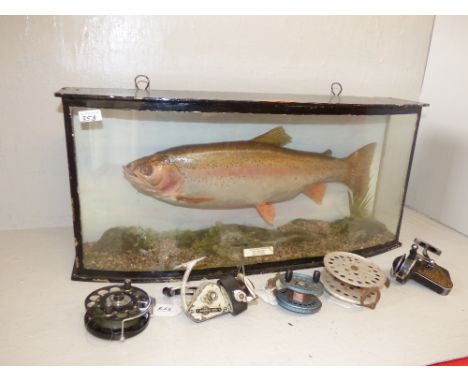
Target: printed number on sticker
87,116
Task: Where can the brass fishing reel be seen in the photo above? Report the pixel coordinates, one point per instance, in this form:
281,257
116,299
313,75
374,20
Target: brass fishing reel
117,312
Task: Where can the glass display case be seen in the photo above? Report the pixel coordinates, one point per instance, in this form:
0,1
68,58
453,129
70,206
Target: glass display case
159,178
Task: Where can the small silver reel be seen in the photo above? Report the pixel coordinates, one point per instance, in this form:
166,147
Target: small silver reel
417,265
211,299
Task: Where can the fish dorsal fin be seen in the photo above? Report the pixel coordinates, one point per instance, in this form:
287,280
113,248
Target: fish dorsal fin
327,153
276,136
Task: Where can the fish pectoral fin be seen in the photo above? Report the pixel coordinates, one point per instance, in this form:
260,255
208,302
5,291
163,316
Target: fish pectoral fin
316,191
189,200
267,212
276,136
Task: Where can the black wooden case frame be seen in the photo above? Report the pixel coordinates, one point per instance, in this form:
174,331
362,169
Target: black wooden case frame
209,102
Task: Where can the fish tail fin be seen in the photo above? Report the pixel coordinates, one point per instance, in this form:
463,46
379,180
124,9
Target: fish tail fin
359,162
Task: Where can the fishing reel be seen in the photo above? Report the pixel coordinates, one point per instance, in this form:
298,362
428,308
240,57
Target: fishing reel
299,292
117,312
353,279
421,268
212,299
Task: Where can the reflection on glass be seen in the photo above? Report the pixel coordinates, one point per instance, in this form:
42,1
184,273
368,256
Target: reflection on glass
160,188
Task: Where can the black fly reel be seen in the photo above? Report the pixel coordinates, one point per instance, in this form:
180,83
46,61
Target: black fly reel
117,312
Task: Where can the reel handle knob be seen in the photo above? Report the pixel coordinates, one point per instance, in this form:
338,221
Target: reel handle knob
169,292
175,291
316,276
127,284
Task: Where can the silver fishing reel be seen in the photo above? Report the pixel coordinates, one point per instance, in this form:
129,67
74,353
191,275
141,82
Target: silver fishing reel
211,299
117,312
421,268
353,279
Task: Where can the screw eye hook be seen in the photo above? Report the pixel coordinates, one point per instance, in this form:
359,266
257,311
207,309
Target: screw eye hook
142,80
334,86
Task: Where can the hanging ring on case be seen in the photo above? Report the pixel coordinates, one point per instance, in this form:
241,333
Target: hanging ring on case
333,87
142,79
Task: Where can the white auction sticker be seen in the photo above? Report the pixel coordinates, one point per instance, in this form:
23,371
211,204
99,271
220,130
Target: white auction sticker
166,310
87,116
260,251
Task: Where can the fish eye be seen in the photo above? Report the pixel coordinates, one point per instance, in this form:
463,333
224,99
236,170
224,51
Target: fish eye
146,169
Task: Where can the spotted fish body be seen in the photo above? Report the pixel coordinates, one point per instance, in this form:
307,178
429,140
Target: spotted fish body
256,173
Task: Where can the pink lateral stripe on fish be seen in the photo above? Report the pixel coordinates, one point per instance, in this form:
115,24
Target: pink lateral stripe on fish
242,174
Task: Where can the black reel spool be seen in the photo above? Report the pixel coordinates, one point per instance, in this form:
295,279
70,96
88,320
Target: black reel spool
301,292
117,312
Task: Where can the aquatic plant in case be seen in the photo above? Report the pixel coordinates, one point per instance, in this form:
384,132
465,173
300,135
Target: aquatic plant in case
159,178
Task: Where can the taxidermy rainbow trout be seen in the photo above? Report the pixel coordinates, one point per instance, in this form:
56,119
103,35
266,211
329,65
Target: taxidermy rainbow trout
256,173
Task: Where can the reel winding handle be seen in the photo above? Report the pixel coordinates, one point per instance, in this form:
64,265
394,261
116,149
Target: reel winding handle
175,291
426,248
316,276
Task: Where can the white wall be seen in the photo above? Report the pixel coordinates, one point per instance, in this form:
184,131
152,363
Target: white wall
439,179
381,56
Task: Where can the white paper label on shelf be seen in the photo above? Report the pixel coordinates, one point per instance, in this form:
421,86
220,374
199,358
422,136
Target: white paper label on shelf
87,116
267,295
260,251
166,310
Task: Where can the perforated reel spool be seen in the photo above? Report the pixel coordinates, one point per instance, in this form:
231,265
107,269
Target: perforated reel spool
118,311
354,270
352,278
